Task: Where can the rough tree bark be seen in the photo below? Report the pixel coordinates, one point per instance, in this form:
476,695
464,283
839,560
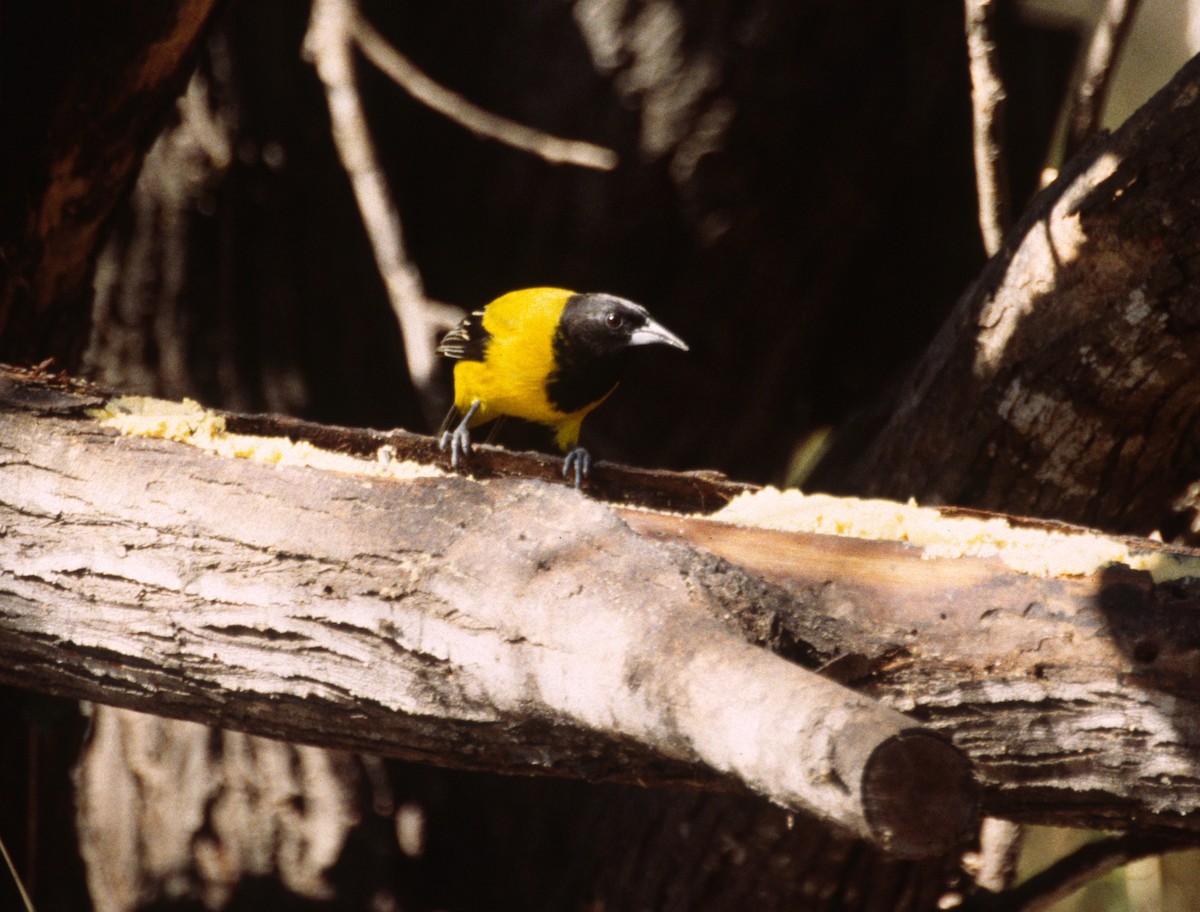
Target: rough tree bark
509,626
1101,662
1064,384
1062,690
1097,435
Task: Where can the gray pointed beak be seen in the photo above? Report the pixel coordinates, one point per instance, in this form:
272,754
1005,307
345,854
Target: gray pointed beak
654,333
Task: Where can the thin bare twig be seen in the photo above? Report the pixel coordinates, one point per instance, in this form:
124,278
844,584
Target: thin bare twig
988,100
329,44
1076,870
12,869
1095,73
474,118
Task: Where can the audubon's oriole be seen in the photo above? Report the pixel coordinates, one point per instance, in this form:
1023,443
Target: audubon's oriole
546,355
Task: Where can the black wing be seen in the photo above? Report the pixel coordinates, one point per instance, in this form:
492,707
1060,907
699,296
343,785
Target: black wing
467,341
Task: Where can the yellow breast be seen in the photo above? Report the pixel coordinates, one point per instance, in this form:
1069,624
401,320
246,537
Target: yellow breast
511,380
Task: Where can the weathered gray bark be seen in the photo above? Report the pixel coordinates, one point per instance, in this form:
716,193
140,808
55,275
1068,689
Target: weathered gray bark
1063,384
510,626
324,608
308,592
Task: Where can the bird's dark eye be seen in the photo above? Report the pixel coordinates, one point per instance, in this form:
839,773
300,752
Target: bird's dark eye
614,320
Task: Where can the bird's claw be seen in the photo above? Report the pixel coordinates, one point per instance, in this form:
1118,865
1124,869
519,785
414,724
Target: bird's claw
579,461
459,442
459,439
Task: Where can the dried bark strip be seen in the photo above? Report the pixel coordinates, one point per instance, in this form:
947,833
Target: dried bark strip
512,626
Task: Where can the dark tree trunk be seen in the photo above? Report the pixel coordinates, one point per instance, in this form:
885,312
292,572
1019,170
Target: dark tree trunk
1064,383
84,90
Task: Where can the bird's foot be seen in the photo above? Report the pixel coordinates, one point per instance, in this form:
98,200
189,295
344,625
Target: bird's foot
459,442
459,439
578,461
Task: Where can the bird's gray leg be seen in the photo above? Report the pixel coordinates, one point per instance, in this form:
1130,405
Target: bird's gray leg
578,460
459,440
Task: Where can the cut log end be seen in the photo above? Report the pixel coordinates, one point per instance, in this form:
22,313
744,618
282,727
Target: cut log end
919,795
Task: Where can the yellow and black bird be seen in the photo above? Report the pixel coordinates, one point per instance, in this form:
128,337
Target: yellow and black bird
546,355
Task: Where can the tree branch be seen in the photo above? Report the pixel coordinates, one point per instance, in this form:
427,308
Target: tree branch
1095,72
512,626
335,28
1073,693
994,866
481,122
329,44
988,100
511,619
1059,384
1075,871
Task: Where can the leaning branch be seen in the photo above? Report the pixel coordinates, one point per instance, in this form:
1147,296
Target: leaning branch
480,121
1095,72
1060,381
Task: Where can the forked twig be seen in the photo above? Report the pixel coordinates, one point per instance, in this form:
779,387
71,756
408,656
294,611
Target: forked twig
329,44
335,29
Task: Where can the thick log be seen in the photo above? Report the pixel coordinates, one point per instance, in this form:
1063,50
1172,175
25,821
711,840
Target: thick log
512,626
1077,696
1074,693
